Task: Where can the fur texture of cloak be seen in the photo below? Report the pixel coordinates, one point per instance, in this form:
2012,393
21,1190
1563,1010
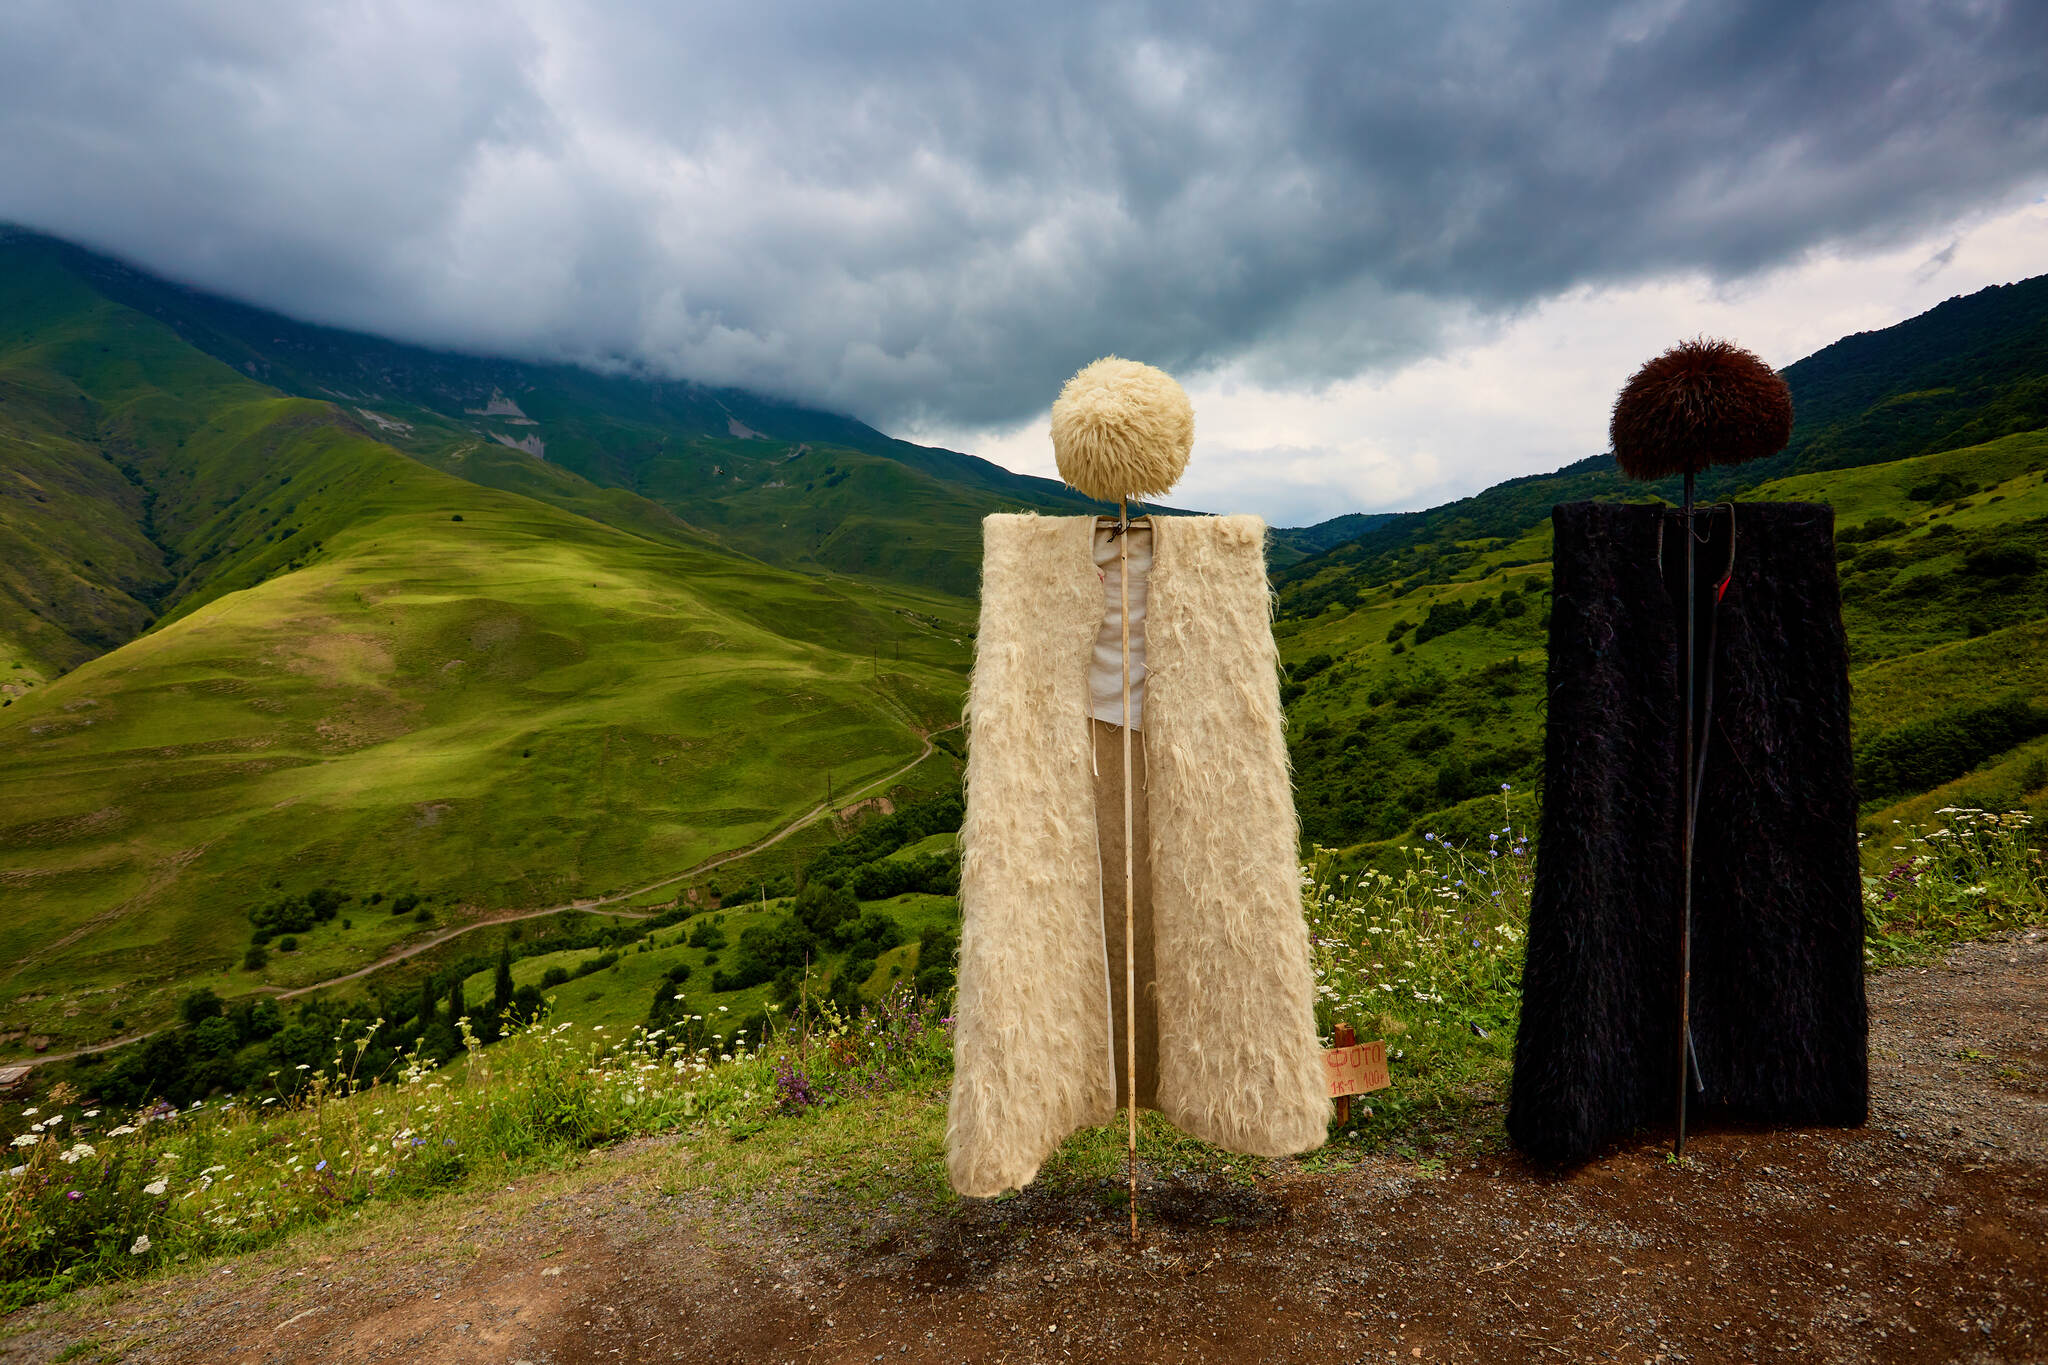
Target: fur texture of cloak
1778,1016
1238,1063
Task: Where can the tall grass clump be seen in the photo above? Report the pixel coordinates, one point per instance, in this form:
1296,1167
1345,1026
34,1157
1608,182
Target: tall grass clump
88,1194
1430,959
1925,888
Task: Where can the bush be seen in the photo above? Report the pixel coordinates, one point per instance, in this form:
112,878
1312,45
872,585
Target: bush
2000,561
1314,665
1443,618
1431,737
1941,488
764,951
256,959
873,934
1870,530
937,948
934,875
1926,753
288,944
821,906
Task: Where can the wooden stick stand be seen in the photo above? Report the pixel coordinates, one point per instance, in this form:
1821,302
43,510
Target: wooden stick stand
1123,559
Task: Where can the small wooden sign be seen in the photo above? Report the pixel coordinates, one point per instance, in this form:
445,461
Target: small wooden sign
1356,1070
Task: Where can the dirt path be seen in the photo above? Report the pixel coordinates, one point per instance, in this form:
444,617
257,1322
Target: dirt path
1920,1237
588,903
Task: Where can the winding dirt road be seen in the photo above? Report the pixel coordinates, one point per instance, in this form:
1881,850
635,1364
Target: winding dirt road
843,802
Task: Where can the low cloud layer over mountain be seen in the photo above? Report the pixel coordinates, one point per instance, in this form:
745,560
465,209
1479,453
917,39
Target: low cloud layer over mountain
930,214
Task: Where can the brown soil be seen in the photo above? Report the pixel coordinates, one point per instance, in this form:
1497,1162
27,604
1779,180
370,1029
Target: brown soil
1922,1236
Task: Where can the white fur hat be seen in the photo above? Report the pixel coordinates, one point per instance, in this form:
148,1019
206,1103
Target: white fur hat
1122,429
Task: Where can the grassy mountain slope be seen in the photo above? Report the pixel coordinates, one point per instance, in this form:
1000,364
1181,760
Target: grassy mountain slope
1971,370
364,673
785,483
1413,706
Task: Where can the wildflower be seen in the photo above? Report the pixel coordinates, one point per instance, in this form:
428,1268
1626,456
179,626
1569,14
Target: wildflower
321,1167
74,1194
91,1114
77,1152
26,1140
141,1245
157,1186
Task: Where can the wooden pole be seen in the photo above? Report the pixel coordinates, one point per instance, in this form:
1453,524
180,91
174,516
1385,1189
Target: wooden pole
1123,557
1344,1037
1685,843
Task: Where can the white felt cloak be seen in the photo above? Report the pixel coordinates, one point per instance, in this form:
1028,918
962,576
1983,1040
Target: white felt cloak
1239,1063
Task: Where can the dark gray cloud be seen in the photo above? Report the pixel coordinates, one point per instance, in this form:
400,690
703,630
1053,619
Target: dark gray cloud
918,212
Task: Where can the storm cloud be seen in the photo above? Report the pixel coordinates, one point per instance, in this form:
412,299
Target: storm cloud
928,215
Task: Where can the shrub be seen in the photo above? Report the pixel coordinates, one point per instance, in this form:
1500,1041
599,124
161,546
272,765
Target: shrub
1941,488
1870,530
821,906
256,959
873,934
937,949
1429,738
1443,618
2000,561
1312,666
764,950
1923,754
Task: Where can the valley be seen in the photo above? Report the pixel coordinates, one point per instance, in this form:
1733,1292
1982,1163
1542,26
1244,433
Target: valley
289,612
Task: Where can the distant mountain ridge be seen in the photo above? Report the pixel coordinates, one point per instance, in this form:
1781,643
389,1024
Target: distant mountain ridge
1968,371
785,483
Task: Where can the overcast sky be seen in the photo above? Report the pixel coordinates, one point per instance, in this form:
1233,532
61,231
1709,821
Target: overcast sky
1396,252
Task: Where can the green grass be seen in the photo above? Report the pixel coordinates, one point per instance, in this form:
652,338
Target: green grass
856,1107
428,686
1390,745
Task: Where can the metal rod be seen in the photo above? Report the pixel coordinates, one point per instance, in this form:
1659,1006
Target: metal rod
1123,558
1685,840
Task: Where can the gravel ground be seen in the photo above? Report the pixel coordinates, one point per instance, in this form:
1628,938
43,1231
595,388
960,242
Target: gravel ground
1921,1236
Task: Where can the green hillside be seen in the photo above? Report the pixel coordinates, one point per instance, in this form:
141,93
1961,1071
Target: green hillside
787,484
361,673
1414,699
1969,371
287,613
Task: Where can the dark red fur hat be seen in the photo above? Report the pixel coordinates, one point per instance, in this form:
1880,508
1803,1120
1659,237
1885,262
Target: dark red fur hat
1702,402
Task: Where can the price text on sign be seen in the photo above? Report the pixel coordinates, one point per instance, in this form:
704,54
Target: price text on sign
1356,1070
